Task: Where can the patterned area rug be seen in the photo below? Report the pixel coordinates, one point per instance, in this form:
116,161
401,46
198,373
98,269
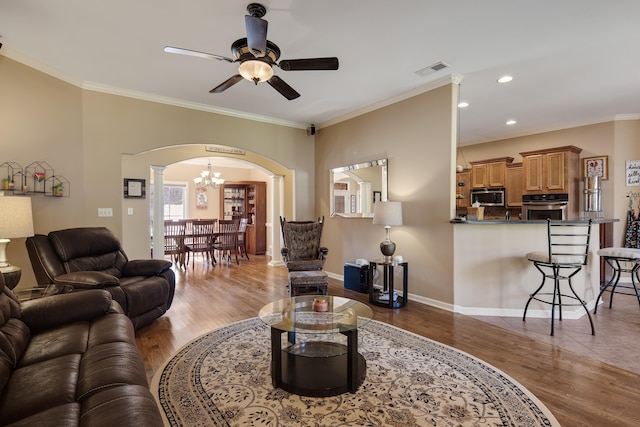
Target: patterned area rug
223,379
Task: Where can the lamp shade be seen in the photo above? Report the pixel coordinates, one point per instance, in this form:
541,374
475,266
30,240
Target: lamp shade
16,218
387,213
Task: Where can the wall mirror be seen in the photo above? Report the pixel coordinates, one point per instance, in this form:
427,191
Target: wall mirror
355,188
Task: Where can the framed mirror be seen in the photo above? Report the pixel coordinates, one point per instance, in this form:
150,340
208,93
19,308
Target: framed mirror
355,188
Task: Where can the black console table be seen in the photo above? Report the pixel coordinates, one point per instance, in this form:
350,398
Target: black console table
377,297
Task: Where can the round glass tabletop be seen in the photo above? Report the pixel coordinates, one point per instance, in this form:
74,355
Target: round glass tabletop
316,314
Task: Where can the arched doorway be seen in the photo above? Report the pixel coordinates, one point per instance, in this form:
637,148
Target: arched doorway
281,194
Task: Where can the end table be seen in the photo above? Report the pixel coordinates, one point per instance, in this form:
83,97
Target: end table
385,297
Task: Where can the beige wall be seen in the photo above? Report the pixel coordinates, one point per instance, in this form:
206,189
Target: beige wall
96,139
416,136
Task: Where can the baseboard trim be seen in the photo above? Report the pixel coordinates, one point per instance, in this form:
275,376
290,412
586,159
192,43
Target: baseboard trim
483,311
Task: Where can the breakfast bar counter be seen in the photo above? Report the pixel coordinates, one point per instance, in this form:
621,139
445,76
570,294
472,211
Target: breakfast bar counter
493,277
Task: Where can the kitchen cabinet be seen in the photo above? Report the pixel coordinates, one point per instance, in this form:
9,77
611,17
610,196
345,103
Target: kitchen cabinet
555,170
247,199
463,189
515,185
490,173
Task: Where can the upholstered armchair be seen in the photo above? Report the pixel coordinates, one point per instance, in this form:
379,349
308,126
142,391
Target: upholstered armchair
90,258
302,250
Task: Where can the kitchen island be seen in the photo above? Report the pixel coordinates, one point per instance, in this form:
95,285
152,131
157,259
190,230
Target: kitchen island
493,278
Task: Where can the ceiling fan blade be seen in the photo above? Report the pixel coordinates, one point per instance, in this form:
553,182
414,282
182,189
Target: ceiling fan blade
226,84
256,35
309,64
181,51
285,90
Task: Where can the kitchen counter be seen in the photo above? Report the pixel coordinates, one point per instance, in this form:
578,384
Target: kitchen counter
518,221
494,278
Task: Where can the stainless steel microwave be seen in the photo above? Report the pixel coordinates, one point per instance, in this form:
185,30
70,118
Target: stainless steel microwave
488,197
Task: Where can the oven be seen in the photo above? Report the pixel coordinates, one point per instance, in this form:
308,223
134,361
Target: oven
545,206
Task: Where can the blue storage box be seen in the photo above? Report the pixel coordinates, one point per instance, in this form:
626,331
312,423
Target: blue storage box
357,277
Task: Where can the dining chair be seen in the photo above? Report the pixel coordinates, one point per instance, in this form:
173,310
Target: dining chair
567,252
242,237
226,239
174,234
200,239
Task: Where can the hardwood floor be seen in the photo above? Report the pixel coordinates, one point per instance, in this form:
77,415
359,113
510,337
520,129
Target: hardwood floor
580,391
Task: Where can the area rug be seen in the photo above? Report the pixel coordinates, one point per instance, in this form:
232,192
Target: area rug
223,379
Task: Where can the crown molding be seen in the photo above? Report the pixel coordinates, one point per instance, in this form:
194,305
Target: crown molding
98,87
102,88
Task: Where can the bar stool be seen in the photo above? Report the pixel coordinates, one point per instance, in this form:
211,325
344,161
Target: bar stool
619,260
567,252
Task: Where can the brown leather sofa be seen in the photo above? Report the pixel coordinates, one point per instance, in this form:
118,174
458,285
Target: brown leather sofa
71,360
91,257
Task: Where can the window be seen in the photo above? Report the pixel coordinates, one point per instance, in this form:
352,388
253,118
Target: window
175,201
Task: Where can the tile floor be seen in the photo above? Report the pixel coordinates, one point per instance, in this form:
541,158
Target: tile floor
617,338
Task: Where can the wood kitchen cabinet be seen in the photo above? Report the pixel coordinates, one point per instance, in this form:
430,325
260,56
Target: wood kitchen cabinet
490,173
463,189
247,199
555,170
515,185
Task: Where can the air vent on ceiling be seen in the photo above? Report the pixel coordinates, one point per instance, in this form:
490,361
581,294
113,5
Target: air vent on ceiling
432,68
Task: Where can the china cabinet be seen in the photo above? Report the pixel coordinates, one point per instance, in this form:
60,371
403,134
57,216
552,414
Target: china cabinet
247,199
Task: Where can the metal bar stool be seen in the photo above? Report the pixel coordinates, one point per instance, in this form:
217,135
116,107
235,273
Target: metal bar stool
567,252
621,260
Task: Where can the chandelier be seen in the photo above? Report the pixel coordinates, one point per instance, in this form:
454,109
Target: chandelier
208,178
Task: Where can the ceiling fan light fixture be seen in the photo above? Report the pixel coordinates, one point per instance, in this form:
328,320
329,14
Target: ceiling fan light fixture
255,70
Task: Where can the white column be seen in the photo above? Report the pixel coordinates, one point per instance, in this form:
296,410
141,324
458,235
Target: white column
158,211
365,197
277,189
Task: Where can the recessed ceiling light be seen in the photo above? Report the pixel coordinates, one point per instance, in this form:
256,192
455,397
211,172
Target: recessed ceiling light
511,122
463,104
505,79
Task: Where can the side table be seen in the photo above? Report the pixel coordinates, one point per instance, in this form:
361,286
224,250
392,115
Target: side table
385,297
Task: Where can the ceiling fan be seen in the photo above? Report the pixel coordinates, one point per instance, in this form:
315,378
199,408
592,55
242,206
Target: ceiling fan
257,56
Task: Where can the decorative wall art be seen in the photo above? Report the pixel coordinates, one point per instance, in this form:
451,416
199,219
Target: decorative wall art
596,166
202,201
134,188
633,172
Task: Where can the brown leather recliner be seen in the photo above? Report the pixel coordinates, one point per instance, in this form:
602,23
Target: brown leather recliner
71,360
92,257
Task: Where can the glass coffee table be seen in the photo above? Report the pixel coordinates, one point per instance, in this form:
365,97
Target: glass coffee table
315,360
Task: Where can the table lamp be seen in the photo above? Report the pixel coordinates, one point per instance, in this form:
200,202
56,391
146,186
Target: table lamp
16,220
387,213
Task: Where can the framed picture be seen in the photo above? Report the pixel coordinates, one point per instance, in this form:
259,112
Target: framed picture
134,188
377,196
202,201
633,173
596,166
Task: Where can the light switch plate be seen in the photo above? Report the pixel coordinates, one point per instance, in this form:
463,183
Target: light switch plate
130,211
102,212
